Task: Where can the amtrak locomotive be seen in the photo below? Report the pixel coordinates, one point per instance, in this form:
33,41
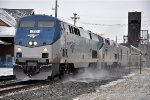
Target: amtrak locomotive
46,47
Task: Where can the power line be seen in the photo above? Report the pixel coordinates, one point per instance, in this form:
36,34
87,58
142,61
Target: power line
98,24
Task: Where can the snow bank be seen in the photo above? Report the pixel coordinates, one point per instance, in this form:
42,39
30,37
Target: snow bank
6,71
7,31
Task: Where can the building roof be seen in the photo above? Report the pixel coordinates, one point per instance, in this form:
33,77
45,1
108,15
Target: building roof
6,18
10,17
4,43
18,13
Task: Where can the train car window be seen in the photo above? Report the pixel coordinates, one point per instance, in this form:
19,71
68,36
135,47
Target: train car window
107,42
114,44
70,29
106,51
103,56
94,54
115,56
90,36
27,24
75,31
121,54
45,24
63,52
78,31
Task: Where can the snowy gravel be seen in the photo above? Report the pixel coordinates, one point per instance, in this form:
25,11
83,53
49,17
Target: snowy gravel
6,71
57,91
65,89
134,87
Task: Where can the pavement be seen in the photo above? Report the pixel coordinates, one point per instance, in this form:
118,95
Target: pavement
135,86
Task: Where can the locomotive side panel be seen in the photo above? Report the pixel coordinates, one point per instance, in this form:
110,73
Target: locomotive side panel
80,47
135,56
124,54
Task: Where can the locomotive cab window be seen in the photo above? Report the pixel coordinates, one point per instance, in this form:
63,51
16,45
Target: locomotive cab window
27,24
46,24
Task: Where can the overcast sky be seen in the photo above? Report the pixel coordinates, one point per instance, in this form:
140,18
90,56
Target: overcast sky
99,16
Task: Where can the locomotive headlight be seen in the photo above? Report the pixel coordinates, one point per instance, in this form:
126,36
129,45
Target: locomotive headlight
19,49
35,43
44,49
30,43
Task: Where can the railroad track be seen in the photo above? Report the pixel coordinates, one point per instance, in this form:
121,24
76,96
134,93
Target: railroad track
18,86
6,78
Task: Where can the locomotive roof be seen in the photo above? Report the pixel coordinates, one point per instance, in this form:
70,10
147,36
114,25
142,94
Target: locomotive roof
46,17
32,17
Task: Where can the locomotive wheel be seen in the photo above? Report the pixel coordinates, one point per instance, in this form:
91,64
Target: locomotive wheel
51,78
59,76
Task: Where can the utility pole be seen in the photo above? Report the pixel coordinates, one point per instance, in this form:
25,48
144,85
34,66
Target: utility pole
140,62
75,18
116,39
56,8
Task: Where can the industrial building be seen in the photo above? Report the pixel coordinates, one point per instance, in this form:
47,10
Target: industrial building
8,20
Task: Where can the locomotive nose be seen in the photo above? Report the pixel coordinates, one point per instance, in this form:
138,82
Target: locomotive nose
42,52
31,69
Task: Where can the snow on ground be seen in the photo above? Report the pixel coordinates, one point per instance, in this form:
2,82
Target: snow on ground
6,71
132,87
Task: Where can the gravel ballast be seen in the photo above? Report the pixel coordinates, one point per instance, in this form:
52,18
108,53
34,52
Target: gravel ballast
57,91
66,89
132,87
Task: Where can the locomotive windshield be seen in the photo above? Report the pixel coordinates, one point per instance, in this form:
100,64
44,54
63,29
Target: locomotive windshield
27,24
45,24
41,24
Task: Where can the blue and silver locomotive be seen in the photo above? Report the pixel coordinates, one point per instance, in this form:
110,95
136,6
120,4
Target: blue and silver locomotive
46,47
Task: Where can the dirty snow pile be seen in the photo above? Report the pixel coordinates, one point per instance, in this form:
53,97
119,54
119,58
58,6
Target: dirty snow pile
132,87
6,71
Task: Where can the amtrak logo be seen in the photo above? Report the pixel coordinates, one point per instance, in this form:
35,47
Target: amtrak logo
72,45
33,35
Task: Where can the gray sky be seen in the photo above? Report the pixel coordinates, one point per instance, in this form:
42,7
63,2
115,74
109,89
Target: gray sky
99,16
